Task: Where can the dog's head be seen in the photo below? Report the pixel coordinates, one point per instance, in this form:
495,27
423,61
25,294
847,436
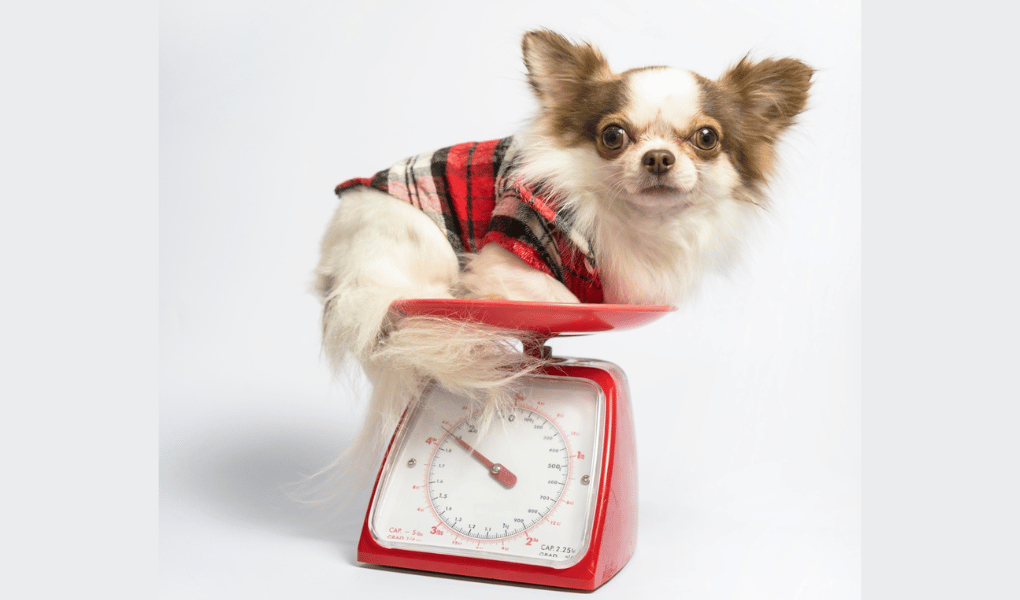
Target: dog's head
659,138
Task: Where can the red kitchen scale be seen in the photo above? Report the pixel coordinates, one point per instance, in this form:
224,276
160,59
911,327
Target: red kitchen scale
545,493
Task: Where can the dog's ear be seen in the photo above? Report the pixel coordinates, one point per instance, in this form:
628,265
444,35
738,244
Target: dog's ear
559,69
758,102
772,91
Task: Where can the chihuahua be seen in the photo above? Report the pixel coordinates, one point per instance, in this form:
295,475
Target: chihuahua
623,189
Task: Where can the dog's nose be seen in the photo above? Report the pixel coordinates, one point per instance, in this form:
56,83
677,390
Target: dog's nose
658,162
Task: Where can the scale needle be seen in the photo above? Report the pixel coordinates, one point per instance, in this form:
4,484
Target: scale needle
496,470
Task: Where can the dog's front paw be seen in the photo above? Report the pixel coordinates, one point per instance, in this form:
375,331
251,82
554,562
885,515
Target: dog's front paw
496,273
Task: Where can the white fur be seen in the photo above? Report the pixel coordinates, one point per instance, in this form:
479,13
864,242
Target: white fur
376,250
497,272
663,95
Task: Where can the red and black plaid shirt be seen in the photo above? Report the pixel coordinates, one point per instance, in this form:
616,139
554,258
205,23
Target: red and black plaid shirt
470,191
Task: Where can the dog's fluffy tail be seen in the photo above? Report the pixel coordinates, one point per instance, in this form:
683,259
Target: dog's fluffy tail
402,355
477,362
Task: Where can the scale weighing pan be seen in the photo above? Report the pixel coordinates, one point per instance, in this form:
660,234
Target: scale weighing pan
544,318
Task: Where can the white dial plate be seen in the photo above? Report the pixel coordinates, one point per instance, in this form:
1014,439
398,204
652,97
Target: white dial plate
522,490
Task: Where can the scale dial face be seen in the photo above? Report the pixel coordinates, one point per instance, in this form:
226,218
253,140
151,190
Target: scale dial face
495,511
521,488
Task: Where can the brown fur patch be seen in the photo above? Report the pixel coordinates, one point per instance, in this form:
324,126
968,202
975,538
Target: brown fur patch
755,103
573,83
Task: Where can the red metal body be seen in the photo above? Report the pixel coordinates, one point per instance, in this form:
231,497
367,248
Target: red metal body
614,529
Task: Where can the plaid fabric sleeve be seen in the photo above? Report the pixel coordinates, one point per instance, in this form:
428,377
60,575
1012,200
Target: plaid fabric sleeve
526,222
469,191
453,186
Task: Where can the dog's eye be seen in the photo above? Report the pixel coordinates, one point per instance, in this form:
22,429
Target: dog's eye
614,137
706,138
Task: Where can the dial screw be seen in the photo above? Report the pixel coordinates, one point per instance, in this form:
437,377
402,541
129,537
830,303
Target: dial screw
585,480
411,462
496,468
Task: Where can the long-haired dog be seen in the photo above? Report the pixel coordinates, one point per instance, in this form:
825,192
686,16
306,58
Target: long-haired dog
623,189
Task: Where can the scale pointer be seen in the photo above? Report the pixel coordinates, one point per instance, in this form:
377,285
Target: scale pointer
498,471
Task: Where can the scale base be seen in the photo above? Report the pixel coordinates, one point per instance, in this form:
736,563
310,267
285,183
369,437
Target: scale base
614,528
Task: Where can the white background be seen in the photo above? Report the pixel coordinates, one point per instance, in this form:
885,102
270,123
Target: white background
80,323
748,400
